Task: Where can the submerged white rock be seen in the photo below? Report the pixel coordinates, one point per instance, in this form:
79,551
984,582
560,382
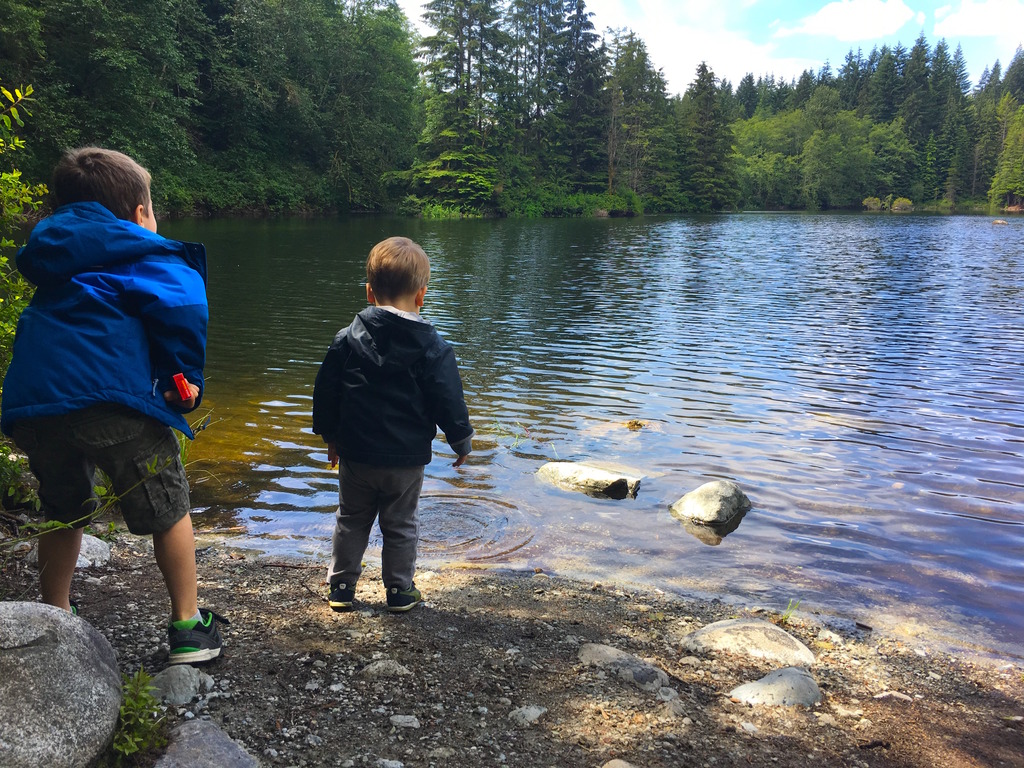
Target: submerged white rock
590,479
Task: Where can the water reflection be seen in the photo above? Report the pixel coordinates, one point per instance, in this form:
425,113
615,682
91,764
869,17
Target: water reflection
861,376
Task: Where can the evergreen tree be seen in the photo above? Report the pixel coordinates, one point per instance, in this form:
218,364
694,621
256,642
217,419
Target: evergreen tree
1008,183
581,111
638,118
916,109
746,95
1013,80
709,176
852,76
883,88
456,167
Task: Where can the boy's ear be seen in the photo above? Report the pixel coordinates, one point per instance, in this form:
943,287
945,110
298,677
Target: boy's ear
419,296
370,298
140,215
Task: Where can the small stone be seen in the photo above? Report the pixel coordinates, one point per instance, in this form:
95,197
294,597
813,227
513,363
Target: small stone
525,716
405,721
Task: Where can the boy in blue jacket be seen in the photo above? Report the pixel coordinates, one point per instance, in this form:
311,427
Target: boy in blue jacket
117,312
388,381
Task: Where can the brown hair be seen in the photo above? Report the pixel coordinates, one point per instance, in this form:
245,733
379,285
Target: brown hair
104,176
397,267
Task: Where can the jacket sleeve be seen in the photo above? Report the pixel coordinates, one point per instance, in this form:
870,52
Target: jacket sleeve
443,387
170,298
327,390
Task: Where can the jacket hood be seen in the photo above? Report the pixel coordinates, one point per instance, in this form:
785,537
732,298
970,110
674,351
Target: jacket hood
84,237
389,341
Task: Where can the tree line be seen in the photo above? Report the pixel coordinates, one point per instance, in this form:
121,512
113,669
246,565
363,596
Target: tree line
511,107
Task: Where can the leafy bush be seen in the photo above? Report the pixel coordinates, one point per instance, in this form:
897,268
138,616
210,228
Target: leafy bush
141,727
872,203
16,199
901,204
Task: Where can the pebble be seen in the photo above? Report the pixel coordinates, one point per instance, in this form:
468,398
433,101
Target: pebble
405,721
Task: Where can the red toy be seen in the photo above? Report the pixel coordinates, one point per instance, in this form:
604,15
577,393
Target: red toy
182,385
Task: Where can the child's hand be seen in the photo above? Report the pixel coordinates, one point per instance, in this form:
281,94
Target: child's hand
175,399
460,461
332,454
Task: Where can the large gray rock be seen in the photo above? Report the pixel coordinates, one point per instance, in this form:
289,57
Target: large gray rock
625,666
789,687
202,744
750,637
60,688
590,479
714,503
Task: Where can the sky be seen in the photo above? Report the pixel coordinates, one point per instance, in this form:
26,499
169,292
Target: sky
769,37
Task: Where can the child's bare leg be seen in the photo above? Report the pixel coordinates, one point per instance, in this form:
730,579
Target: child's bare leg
58,554
175,551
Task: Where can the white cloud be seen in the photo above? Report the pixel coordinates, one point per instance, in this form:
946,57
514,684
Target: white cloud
851,20
984,18
679,35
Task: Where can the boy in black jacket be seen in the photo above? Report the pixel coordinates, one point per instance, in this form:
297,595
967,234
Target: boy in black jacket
388,381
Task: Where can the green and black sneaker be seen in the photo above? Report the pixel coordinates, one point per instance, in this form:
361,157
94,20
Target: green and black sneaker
192,641
403,599
342,596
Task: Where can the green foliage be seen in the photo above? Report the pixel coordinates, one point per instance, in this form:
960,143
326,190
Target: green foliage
17,493
901,205
16,198
142,727
513,109
108,533
872,203
1008,183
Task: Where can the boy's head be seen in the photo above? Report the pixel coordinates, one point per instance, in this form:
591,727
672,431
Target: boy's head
104,176
397,268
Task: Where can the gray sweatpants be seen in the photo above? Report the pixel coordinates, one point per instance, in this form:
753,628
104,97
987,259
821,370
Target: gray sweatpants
390,495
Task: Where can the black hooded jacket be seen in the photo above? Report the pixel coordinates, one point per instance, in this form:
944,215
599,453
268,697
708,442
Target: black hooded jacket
385,386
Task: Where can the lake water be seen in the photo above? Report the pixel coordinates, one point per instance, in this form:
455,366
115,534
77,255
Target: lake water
860,377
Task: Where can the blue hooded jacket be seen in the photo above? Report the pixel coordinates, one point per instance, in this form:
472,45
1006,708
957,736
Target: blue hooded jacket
118,310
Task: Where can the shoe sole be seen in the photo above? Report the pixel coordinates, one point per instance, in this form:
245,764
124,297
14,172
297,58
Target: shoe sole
403,608
194,657
339,607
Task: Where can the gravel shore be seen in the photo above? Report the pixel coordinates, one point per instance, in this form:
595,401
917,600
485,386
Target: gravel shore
487,673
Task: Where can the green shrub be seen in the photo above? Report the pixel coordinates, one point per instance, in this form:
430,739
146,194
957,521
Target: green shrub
141,728
872,203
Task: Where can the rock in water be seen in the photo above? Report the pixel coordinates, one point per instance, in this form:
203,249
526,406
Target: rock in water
714,503
592,480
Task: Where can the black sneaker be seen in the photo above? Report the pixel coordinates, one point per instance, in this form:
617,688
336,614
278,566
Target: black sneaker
74,608
403,599
193,642
341,597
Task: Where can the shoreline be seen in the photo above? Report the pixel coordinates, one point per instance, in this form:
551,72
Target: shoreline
299,685
921,627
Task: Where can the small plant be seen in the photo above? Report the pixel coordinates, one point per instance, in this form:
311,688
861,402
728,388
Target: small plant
107,534
788,613
517,432
141,727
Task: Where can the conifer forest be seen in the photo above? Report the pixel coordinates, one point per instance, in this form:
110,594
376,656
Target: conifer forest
510,108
